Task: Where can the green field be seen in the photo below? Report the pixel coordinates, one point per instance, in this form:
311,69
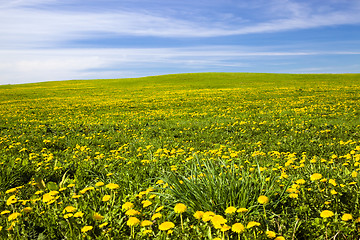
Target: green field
184,156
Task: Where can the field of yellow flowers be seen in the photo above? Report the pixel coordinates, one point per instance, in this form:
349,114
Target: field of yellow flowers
187,156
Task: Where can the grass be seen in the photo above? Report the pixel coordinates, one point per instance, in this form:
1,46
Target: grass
208,140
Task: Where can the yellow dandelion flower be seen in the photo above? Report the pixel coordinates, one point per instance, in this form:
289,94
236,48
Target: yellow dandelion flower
217,221
315,176
27,209
79,214
133,221
179,208
242,210
252,224
11,190
279,238
207,216
112,186
333,192
299,181
238,228
230,210
293,195
69,209
13,216
5,212
12,199
263,199
156,215
270,234
98,217
99,184
146,223
69,215
332,182
166,226
346,217
86,228
159,209
326,214
225,228
103,225
198,215
146,203
132,212
354,174
127,206
106,198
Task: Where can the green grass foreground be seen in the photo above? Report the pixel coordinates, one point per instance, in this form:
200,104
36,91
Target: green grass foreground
184,156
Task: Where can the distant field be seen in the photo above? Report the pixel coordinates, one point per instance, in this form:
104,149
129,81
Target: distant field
250,156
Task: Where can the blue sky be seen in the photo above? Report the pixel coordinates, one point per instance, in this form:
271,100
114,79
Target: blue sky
44,40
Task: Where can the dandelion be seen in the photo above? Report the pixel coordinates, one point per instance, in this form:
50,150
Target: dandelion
79,214
293,195
112,186
97,217
279,238
299,181
69,209
238,228
242,210
132,212
103,225
225,228
12,199
69,215
354,174
106,198
207,216
270,234
346,217
146,223
11,190
146,203
159,209
263,199
13,216
315,177
230,210
156,215
332,182
5,212
252,224
86,228
127,206
326,214
217,221
198,215
179,208
99,184
166,226
133,221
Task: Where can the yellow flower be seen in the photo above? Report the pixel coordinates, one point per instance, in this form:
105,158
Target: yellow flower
198,215
5,212
270,234
112,186
86,228
106,198
207,216
79,214
103,225
179,208
146,223
11,190
354,174
217,221
263,199
333,192
76,196
159,209
252,224
132,212
242,210
133,221
238,228
156,215
127,206
346,217
315,176
166,226
230,210
12,199
299,181
98,217
279,238
69,209
68,215
146,203
293,195
333,182
13,216
326,214
225,228
99,184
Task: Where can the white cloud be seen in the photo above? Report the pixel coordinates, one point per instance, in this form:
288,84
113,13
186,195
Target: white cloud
19,66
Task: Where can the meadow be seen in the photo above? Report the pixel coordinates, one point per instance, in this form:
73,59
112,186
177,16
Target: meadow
184,156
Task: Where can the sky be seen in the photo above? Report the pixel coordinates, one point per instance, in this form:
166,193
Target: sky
46,40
